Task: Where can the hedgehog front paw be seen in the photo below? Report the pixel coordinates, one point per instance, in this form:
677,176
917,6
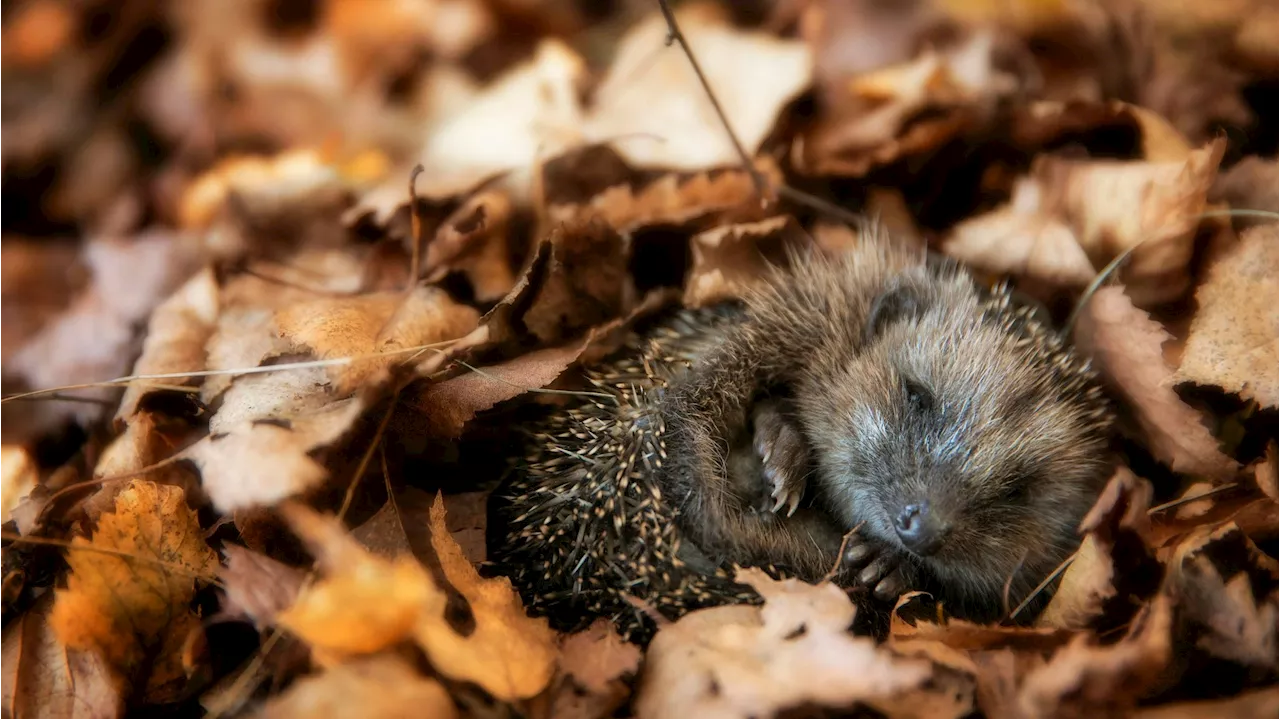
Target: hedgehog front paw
783,456
875,567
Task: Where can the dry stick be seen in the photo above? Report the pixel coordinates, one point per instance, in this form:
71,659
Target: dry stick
368,455
415,228
844,544
763,186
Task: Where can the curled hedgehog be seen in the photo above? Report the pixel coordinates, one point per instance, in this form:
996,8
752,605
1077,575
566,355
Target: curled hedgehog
942,430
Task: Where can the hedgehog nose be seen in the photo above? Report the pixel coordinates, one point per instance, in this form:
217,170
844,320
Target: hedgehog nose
919,529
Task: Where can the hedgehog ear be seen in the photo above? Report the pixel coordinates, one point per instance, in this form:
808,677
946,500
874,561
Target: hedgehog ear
899,302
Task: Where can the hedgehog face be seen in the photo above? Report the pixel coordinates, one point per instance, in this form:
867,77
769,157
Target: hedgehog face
963,435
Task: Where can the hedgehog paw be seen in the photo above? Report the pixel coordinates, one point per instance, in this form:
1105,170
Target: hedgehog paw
782,455
876,568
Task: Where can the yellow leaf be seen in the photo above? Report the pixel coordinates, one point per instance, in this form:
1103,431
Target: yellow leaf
134,610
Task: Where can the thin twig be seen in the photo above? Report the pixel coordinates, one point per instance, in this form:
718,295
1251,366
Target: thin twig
762,185
1042,585
415,227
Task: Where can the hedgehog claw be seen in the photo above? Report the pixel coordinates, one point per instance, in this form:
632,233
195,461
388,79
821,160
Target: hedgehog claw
783,457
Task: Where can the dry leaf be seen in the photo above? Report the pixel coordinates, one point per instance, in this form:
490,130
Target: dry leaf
730,259
134,613
1125,344
177,333
508,653
740,661
473,240
369,324
43,678
1085,679
20,476
1251,184
1257,704
530,112
262,461
1090,581
651,107
378,687
295,181
257,586
1232,343
366,604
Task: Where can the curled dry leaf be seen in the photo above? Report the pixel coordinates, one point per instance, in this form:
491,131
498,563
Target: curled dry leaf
1071,216
731,258
1087,679
651,106
257,586
262,461
176,336
739,661
366,604
904,110
44,679
702,199
382,686
1090,581
473,241
130,603
1235,608
1125,344
1251,184
1232,343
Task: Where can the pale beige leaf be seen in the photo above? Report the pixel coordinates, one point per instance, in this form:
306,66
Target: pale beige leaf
377,687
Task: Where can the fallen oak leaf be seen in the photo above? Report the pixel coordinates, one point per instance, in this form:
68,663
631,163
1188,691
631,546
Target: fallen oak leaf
1232,342
473,240
379,687
135,614
1125,344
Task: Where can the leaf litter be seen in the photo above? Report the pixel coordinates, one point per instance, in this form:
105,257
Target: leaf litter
257,392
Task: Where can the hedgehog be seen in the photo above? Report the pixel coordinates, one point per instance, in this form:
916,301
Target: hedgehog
877,417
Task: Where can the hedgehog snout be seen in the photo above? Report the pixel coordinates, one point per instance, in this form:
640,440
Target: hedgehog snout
921,529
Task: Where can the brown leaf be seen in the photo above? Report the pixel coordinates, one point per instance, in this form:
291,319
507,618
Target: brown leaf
1125,345
593,666
746,661
1232,343
262,461
1090,581
257,586
904,110
653,107
129,278
1234,607
595,184
731,258
448,406
1087,679
379,687
1265,474
134,613
473,240
176,336
1251,184
43,678
370,324
967,636
18,476
510,654
366,604
296,181
531,111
